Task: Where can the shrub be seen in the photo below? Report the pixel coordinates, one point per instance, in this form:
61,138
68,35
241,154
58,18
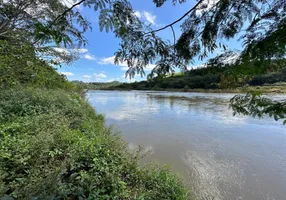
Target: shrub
54,146
20,66
186,88
269,78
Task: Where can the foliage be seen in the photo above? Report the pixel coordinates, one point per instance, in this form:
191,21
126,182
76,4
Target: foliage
257,106
217,73
54,146
205,27
186,88
20,66
269,78
27,19
96,85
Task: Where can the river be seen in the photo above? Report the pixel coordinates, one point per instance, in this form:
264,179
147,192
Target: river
217,154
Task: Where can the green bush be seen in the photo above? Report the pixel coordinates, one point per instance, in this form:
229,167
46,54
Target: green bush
20,66
269,78
54,146
186,88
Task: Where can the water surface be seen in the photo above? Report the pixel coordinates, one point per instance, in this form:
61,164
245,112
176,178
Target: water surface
218,155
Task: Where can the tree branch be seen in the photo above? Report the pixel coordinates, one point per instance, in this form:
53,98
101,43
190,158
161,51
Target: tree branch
65,12
174,35
62,15
178,20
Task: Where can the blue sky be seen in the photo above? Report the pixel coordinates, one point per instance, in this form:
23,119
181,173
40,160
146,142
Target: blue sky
96,58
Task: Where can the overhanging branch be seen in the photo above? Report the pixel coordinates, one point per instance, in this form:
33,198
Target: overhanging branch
178,20
66,11
61,15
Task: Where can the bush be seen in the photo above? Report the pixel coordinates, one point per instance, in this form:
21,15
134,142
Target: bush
186,88
20,66
54,146
269,78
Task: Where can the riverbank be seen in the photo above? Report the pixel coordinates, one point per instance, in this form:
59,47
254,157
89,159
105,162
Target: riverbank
268,89
53,144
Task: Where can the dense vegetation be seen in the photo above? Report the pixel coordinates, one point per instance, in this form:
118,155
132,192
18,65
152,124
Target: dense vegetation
53,145
215,76
96,85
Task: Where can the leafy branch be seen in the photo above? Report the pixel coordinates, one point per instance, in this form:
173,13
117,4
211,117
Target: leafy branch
255,105
178,20
65,12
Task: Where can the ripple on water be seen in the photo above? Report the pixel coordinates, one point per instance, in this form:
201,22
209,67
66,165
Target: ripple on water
142,150
212,177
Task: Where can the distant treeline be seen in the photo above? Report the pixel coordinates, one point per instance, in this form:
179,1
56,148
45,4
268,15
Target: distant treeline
213,77
97,85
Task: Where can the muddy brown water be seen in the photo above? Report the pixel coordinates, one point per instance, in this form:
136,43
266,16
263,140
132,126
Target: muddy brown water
217,154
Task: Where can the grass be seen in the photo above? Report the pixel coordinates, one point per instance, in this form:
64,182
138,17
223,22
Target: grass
53,145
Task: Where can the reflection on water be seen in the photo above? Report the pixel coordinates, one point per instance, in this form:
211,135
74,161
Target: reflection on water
219,155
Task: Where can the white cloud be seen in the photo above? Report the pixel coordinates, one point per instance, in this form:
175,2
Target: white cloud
100,75
147,16
123,65
107,61
61,50
67,73
89,57
69,51
138,14
84,51
197,66
86,76
81,50
150,17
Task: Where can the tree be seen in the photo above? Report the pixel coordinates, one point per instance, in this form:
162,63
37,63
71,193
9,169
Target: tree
23,21
205,27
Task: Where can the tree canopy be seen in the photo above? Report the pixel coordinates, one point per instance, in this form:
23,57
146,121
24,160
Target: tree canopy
204,28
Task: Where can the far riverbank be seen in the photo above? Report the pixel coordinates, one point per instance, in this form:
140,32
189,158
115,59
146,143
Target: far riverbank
268,89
